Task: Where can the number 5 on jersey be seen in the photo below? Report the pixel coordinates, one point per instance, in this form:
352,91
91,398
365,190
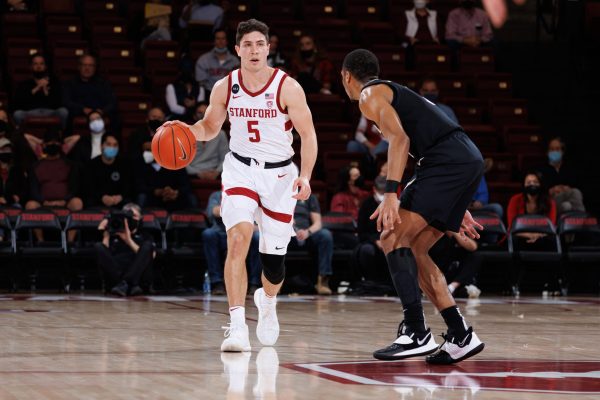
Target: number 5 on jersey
253,130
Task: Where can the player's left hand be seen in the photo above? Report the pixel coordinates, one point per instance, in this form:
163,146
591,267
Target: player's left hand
301,187
469,226
387,213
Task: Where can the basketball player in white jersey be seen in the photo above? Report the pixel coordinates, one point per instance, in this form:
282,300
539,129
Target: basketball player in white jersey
260,182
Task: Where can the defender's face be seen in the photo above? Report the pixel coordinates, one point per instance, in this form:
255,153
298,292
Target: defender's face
346,78
253,51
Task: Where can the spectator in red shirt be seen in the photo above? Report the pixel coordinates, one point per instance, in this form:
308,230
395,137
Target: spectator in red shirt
533,200
310,67
350,195
54,180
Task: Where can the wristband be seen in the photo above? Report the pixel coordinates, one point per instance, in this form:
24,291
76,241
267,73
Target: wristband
391,186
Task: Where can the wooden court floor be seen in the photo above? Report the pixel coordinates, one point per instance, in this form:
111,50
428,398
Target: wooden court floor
95,347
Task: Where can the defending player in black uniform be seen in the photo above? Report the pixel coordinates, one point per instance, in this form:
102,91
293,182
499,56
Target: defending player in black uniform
449,167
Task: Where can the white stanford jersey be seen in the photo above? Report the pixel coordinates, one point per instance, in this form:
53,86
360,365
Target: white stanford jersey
260,128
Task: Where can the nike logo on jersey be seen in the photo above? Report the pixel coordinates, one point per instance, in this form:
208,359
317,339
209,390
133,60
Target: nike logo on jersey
279,248
235,97
281,176
420,342
183,152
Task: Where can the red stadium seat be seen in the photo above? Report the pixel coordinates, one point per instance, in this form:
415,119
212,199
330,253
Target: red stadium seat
504,168
326,107
492,86
468,111
315,9
523,139
376,32
433,59
19,25
452,84
391,59
477,60
60,27
485,137
57,7
508,111
363,10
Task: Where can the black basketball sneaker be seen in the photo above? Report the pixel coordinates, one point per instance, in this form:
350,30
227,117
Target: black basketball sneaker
454,350
408,344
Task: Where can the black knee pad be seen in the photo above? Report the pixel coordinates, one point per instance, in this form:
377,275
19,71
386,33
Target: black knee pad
273,267
403,269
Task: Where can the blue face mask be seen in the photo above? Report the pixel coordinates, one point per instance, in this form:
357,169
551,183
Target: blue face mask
555,156
110,152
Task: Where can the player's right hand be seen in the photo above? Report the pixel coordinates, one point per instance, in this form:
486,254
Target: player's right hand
387,213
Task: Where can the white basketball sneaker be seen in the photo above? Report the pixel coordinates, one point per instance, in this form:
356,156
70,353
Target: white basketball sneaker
267,329
454,350
236,338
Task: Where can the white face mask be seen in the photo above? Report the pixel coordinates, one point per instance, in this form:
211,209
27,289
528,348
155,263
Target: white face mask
97,126
420,3
148,157
378,197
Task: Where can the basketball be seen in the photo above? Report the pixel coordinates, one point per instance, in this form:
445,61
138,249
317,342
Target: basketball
174,147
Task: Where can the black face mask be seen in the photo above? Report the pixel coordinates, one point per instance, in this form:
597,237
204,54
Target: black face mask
532,189
52,149
359,182
306,53
154,124
468,4
6,157
40,74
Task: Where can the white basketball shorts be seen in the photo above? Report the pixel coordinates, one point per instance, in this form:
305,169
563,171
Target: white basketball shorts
255,194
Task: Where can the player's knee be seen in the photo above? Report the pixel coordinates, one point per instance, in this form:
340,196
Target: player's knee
237,244
273,267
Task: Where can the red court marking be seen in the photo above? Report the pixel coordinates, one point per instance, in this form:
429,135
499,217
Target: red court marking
542,376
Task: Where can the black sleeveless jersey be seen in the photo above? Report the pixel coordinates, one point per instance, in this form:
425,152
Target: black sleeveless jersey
424,122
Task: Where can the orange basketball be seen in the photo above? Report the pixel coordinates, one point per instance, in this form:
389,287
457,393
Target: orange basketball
174,147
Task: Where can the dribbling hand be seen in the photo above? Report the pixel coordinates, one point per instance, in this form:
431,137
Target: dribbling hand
469,226
387,213
301,187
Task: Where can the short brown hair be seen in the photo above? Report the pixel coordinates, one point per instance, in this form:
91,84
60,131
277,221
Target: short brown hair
252,25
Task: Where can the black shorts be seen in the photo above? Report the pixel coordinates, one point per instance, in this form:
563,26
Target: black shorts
445,181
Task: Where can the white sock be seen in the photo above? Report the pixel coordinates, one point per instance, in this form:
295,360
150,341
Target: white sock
271,300
237,315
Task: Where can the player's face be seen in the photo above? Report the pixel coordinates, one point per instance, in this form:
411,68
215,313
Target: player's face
346,78
253,51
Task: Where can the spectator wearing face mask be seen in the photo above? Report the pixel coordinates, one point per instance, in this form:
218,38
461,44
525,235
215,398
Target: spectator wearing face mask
89,146
107,177
430,91
215,64
468,25
141,138
371,260
208,162
533,200
311,68
421,24
53,180
561,179
183,96
159,187
40,95
350,194
12,178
